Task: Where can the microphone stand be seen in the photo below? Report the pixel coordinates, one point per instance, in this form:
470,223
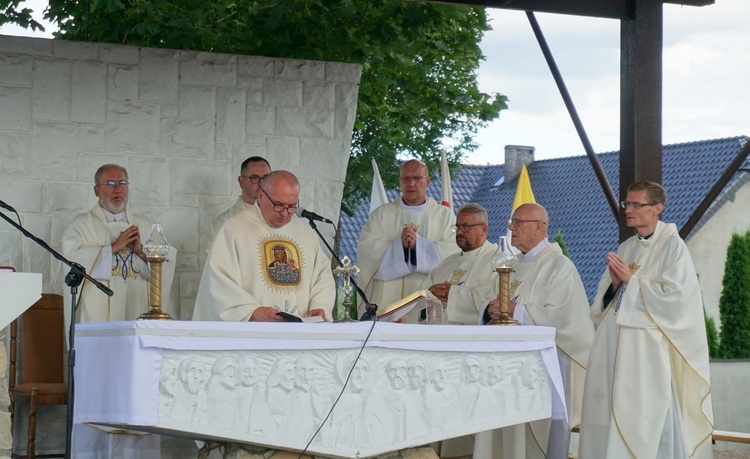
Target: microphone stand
371,309
73,279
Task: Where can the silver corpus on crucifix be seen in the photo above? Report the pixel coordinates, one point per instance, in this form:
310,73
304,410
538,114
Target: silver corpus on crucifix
345,272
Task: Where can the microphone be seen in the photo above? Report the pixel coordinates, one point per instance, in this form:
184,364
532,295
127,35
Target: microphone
301,212
10,208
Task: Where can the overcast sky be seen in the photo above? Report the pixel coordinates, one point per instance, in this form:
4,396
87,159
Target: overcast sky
706,78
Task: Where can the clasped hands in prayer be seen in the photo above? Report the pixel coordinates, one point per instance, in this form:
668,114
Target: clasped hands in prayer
130,238
494,309
619,270
268,314
409,238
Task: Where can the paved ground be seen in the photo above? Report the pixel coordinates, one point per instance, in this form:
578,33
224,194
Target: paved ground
731,455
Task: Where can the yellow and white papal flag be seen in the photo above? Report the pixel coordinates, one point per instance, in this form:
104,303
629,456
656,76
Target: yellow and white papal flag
524,195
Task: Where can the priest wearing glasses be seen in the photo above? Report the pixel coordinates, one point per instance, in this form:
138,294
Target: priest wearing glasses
265,260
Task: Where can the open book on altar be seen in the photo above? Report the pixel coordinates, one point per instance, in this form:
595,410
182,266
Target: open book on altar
421,299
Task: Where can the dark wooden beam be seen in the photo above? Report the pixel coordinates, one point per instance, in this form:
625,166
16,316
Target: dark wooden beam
640,98
613,9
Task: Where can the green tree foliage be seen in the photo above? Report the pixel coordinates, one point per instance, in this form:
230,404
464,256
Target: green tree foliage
734,304
418,92
712,335
563,246
11,14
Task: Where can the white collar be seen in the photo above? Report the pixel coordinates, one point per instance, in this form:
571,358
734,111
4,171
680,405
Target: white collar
111,218
419,208
531,254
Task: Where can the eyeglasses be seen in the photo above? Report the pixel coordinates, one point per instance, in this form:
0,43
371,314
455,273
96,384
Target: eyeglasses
114,183
636,205
253,178
464,227
281,208
412,178
518,222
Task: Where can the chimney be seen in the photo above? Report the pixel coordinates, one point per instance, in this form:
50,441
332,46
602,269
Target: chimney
515,157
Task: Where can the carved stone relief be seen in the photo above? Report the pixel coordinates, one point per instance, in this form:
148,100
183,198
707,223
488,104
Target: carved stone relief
393,397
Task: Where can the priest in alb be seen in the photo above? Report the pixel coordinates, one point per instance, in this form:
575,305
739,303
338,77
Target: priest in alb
461,280
266,260
546,290
403,241
648,389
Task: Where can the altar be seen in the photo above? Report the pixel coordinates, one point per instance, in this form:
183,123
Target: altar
342,390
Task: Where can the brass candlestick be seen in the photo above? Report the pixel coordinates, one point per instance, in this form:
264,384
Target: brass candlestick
502,263
156,250
503,297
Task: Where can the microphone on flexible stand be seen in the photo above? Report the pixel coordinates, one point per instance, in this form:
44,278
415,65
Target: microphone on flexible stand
371,309
304,213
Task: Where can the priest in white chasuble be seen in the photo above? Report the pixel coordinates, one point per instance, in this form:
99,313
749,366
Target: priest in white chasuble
461,281
403,241
648,389
546,290
108,242
265,260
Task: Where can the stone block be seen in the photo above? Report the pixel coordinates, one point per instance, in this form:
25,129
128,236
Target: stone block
208,69
25,45
23,195
305,122
197,102
67,198
65,49
15,155
187,138
133,127
212,207
189,283
180,226
260,120
285,152
53,151
149,182
300,69
185,201
17,115
89,92
282,93
231,106
201,178
240,152
90,137
15,70
323,159
255,66
118,54
6,441
188,261
122,82
10,249
318,94
159,75
343,73
58,225
35,258
51,90
170,110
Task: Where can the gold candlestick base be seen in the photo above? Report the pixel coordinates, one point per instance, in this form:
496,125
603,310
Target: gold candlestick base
155,313
503,297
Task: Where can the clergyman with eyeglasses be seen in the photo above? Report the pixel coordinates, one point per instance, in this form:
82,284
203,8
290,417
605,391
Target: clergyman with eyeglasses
108,241
265,260
252,171
403,241
461,280
648,389
547,290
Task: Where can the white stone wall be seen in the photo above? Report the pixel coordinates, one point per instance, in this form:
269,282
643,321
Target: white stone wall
708,245
181,122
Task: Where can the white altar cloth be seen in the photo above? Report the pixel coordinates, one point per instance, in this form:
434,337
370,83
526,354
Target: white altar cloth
120,371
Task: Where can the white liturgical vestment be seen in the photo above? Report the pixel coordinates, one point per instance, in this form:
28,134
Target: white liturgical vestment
238,207
385,273
648,391
252,264
87,241
470,274
548,291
